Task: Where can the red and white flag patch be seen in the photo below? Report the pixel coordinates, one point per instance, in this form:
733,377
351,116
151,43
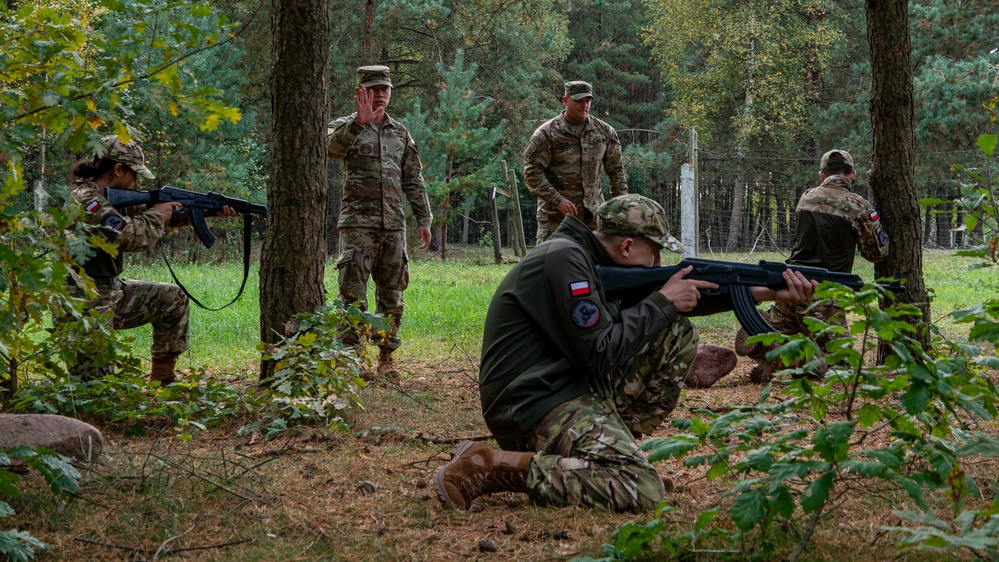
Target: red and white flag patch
874,215
93,206
579,288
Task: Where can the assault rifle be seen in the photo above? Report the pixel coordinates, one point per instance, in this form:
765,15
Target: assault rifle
631,284
195,204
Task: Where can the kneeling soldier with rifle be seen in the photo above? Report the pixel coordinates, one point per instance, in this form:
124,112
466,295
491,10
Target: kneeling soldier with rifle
570,378
132,303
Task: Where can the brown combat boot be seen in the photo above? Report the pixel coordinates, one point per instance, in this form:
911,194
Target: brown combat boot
476,469
162,369
386,366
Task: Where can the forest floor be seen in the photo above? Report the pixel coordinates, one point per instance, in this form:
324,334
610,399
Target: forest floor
367,494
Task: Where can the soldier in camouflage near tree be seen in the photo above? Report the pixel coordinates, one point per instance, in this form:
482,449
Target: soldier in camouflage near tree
131,302
831,222
569,380
563,161
382,171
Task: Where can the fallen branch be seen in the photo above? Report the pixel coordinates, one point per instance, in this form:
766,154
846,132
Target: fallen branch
450,440
141,550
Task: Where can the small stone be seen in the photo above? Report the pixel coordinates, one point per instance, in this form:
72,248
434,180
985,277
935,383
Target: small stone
486,545
367,488
711,364
511,529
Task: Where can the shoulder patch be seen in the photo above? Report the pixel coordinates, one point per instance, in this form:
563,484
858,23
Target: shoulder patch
114,222
93,206
874,215
882,237
579,288
585,314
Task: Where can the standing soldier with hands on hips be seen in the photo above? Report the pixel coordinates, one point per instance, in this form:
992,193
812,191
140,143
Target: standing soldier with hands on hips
382,171
563,161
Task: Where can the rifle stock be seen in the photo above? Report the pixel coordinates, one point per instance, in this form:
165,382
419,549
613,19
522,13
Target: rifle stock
632,284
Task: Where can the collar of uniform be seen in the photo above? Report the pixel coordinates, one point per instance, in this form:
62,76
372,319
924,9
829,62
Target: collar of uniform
389,122
576,230
564,126
841,182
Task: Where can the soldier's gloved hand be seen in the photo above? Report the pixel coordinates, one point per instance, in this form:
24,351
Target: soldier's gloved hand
567,207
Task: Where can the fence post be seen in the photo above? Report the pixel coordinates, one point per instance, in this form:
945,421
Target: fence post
494,211
689,208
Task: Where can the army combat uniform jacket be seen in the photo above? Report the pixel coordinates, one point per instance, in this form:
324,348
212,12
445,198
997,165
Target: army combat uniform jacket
133,229
380,166
549,332
559,165
832,221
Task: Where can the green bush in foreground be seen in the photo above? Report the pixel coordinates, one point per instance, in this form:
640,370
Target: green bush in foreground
803,455
19,546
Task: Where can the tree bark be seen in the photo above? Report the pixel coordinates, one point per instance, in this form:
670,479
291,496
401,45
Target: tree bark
738,196
893,177
294,249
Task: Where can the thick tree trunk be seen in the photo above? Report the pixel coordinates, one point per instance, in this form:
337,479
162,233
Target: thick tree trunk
893,185
294,249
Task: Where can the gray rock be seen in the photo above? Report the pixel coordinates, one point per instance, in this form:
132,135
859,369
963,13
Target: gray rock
66,436
712,363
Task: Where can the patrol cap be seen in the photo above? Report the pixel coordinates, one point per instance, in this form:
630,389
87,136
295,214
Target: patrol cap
128,154
577,90
377,75
636,216
835,157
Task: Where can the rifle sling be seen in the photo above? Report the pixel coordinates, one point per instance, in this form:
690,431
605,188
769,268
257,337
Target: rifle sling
247,221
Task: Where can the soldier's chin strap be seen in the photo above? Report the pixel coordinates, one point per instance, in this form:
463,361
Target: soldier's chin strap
247,222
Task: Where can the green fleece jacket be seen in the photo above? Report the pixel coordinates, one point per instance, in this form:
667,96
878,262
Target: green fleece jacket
549,331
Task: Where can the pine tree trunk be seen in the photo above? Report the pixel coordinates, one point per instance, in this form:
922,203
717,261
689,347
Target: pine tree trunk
294,249
893,185
738,197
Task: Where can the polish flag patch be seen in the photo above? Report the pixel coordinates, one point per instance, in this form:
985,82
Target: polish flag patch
93,206
579,288
874,215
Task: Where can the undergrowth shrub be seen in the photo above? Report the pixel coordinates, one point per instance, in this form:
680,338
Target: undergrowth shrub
20,546
913,424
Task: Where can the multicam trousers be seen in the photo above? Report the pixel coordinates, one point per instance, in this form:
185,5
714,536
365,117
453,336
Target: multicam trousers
381,255
587,453
133,303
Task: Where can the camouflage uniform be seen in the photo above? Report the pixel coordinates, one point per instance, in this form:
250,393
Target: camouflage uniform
831,223
575,377
132,303
560,163
382,171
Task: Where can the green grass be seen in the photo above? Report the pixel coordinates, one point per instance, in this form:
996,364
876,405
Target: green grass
447,300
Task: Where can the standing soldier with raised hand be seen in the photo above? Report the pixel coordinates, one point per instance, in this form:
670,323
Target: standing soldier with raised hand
382,171
564,158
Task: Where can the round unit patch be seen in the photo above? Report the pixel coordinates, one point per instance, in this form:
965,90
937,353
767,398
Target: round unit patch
585,314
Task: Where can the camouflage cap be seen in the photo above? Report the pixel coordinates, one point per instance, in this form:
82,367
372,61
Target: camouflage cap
835,157
128,154
637,216
368,76
577,90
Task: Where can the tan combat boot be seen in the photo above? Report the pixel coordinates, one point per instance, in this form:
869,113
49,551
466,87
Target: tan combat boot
162,369
386,366
476,469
